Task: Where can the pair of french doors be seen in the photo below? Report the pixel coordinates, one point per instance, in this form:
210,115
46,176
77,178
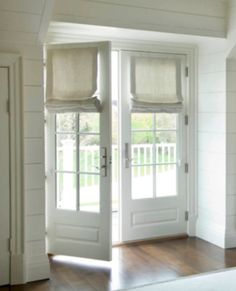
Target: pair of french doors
151,182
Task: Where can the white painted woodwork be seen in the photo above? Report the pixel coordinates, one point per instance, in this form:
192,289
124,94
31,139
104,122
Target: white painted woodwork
32,6
80,233
211,223
207,18
231,153
158,216
14,21
4,178
24,21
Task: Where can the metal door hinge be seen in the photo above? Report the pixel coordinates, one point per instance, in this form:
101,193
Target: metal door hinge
9,245
186,167
186,120
186,215
186,71
8,106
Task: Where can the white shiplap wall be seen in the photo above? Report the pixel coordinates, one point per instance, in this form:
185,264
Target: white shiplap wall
212,147
20,25
202,17
231,155
37,261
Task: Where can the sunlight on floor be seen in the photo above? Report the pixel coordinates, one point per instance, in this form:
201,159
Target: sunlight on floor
82,261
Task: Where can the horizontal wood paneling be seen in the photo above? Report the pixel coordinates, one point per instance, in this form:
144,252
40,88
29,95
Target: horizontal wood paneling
35,202
200,7
34,176
35,230
34,124
33,72
207,18
27,6
33,100
12,21
34,150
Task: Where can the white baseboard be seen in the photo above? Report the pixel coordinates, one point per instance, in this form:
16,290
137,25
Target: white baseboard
211,232
37,268
230,239
18,269
192,225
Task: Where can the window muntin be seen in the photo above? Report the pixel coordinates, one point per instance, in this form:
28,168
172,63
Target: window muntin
78,161
154,155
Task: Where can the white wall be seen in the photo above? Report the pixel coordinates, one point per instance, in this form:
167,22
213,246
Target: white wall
37,261
202,17
37,266
212,147
20,24
217,187
231,155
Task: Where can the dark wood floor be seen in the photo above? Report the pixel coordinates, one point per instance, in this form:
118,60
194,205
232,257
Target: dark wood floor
136,265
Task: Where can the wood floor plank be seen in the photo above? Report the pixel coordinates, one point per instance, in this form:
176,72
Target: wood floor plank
135,265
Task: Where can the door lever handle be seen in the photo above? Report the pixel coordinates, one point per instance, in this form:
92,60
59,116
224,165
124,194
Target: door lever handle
127,156
103,161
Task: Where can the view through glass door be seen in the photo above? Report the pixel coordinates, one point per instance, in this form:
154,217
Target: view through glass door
148,196
153,191
79,153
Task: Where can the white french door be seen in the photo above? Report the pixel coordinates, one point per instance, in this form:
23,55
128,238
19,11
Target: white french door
4,178
79,177
153,188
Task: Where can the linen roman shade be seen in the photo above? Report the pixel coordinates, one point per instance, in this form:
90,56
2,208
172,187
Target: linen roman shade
156,84
72,80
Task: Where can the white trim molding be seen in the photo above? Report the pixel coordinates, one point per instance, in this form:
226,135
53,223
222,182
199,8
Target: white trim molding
17,268
61,33
37,268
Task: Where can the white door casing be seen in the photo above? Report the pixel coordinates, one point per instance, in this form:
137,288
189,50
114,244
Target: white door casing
158,216
4,178
83,233
15,243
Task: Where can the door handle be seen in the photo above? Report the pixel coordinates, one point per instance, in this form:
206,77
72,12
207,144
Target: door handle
127,155
103,161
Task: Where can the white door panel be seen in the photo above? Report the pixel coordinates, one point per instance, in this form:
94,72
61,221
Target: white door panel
4,179
153,187
79,216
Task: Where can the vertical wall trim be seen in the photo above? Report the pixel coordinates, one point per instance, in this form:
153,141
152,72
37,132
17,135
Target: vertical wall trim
17,264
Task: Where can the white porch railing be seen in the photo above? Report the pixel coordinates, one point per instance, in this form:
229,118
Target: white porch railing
142,154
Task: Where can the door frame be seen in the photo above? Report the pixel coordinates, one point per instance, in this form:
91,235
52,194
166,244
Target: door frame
16,242
190,51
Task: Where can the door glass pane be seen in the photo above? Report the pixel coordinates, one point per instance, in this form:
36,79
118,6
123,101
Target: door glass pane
66,191
142,121
166,180
89,193
166,120
66,122
66,152
89,153
166,147
89,122
142,147
142,182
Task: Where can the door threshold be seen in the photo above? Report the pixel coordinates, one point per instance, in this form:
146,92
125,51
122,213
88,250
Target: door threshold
151,240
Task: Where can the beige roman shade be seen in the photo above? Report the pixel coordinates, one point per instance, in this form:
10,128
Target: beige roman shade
72,80
156,84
